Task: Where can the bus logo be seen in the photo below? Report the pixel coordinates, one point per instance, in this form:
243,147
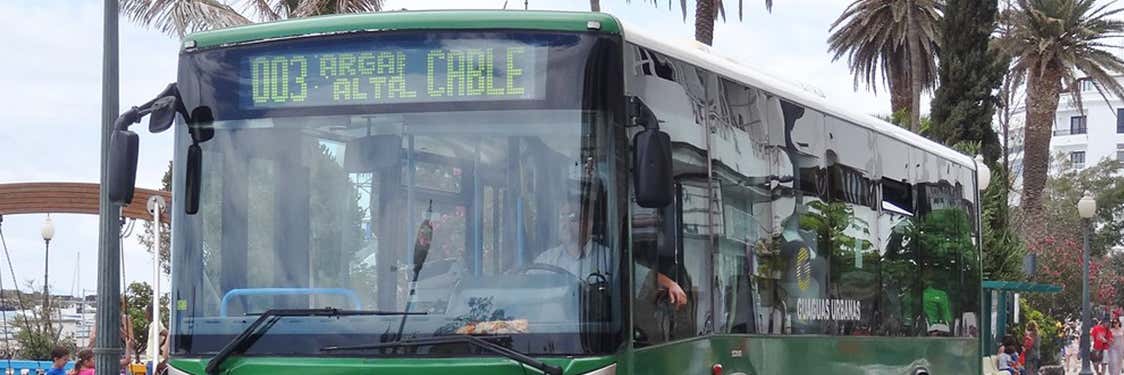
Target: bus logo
803,269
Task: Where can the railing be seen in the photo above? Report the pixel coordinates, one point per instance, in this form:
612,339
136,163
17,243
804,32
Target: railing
1073,131
26,367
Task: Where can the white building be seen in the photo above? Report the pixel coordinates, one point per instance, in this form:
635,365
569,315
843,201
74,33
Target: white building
75,319
77,322
1081,138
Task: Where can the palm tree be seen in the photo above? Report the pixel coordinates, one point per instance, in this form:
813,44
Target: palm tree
706,12
179,17
895,38
1050,41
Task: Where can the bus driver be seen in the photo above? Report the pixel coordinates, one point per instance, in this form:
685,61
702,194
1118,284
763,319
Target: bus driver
580,255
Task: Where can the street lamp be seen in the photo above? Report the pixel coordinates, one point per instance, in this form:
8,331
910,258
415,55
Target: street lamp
983,173
48,232
1086,207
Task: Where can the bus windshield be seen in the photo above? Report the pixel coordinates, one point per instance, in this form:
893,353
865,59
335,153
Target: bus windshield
468,178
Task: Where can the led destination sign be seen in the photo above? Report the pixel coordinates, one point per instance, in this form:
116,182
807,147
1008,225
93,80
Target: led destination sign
365,74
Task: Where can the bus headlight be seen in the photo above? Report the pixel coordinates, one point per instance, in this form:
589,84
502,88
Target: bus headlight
607,370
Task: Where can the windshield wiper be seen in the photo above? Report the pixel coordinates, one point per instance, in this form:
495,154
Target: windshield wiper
251,334
460,339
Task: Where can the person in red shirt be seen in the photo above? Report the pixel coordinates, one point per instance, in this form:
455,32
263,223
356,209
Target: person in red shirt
1102,338
1030,356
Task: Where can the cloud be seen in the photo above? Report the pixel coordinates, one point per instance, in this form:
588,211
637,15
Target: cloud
51,128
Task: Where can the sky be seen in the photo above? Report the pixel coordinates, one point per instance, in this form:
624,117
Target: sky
51,83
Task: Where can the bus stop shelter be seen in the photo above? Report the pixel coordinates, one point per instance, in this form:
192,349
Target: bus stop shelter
997,294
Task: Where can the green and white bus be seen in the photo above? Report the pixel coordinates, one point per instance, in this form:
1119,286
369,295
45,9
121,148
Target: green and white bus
502,192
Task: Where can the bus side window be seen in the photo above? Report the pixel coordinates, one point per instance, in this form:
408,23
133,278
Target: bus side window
898,274
945,237
672,243
849,227
969,259
743,211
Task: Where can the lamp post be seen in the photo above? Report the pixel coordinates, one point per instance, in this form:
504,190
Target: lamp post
1086,207
48,232
983,174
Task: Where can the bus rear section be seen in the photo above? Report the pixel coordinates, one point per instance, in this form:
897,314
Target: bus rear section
809,239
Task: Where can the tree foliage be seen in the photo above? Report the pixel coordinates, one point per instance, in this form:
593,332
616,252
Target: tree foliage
897,39
36,333
1060,253
146,239
179,17
1060,263
1003,251
139,297
35,343
1051,336
1115,262
1052,44
1068,186
969,74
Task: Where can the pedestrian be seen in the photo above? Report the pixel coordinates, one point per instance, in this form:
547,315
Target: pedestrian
157,328
1102,339
1031,355
85,363
1006,363
1116,349
59,357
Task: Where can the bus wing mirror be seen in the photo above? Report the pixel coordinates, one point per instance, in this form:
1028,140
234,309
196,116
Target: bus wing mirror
651,168
163,114
123,150
192,181
651,158
199,124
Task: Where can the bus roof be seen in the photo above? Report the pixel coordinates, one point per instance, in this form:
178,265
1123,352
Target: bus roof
701,55
406,20
558,21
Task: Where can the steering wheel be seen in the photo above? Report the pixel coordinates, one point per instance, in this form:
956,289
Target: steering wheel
544,267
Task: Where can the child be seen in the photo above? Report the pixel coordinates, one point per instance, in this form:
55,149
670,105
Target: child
85,363
1006,362
59,357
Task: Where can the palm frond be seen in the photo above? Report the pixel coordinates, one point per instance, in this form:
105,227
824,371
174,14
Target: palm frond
719,4
1052,40
1095,69
179,17
263,9
741,8
656,3
1069,33
873,35
308,8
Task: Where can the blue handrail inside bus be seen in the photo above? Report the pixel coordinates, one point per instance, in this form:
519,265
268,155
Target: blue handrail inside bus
347,293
